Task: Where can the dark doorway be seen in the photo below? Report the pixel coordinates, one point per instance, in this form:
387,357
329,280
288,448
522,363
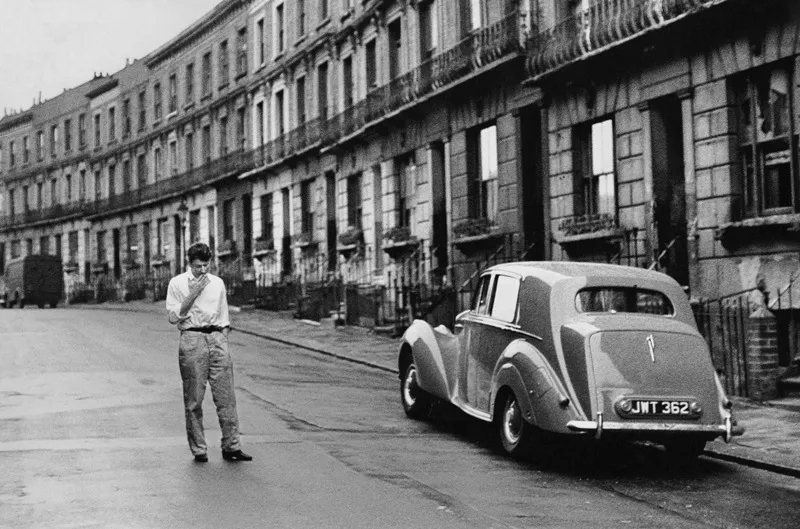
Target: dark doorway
439,202
247,227
146,246
532,185
286,250
117,264
669,189
2,258
330,209
179,249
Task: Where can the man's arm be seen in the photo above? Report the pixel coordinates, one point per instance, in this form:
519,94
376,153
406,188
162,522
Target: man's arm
174,306
223,310
177,312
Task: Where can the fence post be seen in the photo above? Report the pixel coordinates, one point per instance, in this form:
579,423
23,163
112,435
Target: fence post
762,355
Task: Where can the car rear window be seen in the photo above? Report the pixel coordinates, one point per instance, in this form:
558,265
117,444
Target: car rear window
619,299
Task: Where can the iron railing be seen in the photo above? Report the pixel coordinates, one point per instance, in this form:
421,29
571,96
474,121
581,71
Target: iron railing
786,307
723,323
603,24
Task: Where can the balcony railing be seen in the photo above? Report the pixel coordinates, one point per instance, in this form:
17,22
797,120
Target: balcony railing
58,211
603,24
480,48
232,162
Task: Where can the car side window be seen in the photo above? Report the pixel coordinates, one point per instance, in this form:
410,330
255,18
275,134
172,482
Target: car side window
504,299
480,303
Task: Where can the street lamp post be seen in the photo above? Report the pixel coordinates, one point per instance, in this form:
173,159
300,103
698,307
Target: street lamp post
183,212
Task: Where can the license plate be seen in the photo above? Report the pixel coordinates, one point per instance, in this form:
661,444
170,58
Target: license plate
659,408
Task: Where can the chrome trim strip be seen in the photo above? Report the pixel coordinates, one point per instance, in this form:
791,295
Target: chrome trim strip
595,426
491,322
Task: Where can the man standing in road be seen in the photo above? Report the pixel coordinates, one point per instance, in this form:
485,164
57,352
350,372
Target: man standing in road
197,303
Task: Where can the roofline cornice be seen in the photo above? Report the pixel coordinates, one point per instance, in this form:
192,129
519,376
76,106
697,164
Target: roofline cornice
190,35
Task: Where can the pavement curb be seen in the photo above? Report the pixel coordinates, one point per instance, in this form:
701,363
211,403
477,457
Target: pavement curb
753,463
315,349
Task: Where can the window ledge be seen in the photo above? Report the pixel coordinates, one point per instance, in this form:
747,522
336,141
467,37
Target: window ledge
479,244
300,39
188,106
222,87
609,234
731,234
265,253
172,115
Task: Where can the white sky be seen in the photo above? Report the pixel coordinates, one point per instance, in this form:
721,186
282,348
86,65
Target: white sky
49,45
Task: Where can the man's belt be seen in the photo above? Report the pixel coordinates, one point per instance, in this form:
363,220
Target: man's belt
205,330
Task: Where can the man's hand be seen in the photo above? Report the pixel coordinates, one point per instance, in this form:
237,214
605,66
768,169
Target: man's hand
194,290
198,286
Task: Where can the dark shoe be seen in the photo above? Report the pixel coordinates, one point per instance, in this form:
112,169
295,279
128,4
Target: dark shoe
201,458
236,455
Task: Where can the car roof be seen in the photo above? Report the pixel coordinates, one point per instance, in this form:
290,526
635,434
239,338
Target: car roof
552,272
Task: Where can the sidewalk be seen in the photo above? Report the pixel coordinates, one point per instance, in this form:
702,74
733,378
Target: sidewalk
772,429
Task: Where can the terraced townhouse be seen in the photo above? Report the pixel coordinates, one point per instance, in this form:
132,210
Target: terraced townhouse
371,157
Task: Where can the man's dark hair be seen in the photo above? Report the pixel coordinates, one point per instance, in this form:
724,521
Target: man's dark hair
199,250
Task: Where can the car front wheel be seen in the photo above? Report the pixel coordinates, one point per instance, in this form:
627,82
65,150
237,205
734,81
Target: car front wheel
416,401
516,434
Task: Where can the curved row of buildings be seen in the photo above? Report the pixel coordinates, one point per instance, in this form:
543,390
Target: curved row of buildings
404,144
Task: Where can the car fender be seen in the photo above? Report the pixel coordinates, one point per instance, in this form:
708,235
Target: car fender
434,352
541,395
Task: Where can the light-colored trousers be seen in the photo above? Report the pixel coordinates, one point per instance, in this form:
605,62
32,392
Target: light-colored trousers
204,358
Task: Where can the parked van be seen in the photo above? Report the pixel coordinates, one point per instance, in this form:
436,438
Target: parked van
37,279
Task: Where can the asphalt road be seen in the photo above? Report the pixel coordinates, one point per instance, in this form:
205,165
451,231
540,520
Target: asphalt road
91,435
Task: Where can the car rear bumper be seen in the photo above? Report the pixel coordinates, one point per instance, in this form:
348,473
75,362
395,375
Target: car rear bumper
727,429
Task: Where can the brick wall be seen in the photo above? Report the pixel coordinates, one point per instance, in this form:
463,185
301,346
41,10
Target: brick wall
762,355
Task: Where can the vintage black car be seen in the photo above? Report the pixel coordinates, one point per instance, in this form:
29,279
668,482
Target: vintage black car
572,348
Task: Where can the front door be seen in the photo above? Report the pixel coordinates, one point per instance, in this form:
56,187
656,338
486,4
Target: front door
493,337
247,227
470,325
117,264
531,183
330,216
439,202
669,189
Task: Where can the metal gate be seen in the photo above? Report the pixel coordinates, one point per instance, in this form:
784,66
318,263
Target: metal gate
723,323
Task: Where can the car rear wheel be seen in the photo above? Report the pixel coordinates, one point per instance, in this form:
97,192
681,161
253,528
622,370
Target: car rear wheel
516,434
416,401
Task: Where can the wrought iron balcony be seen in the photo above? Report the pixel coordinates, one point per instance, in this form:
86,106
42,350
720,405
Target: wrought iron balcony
480,48
604,24
53,213
162,189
